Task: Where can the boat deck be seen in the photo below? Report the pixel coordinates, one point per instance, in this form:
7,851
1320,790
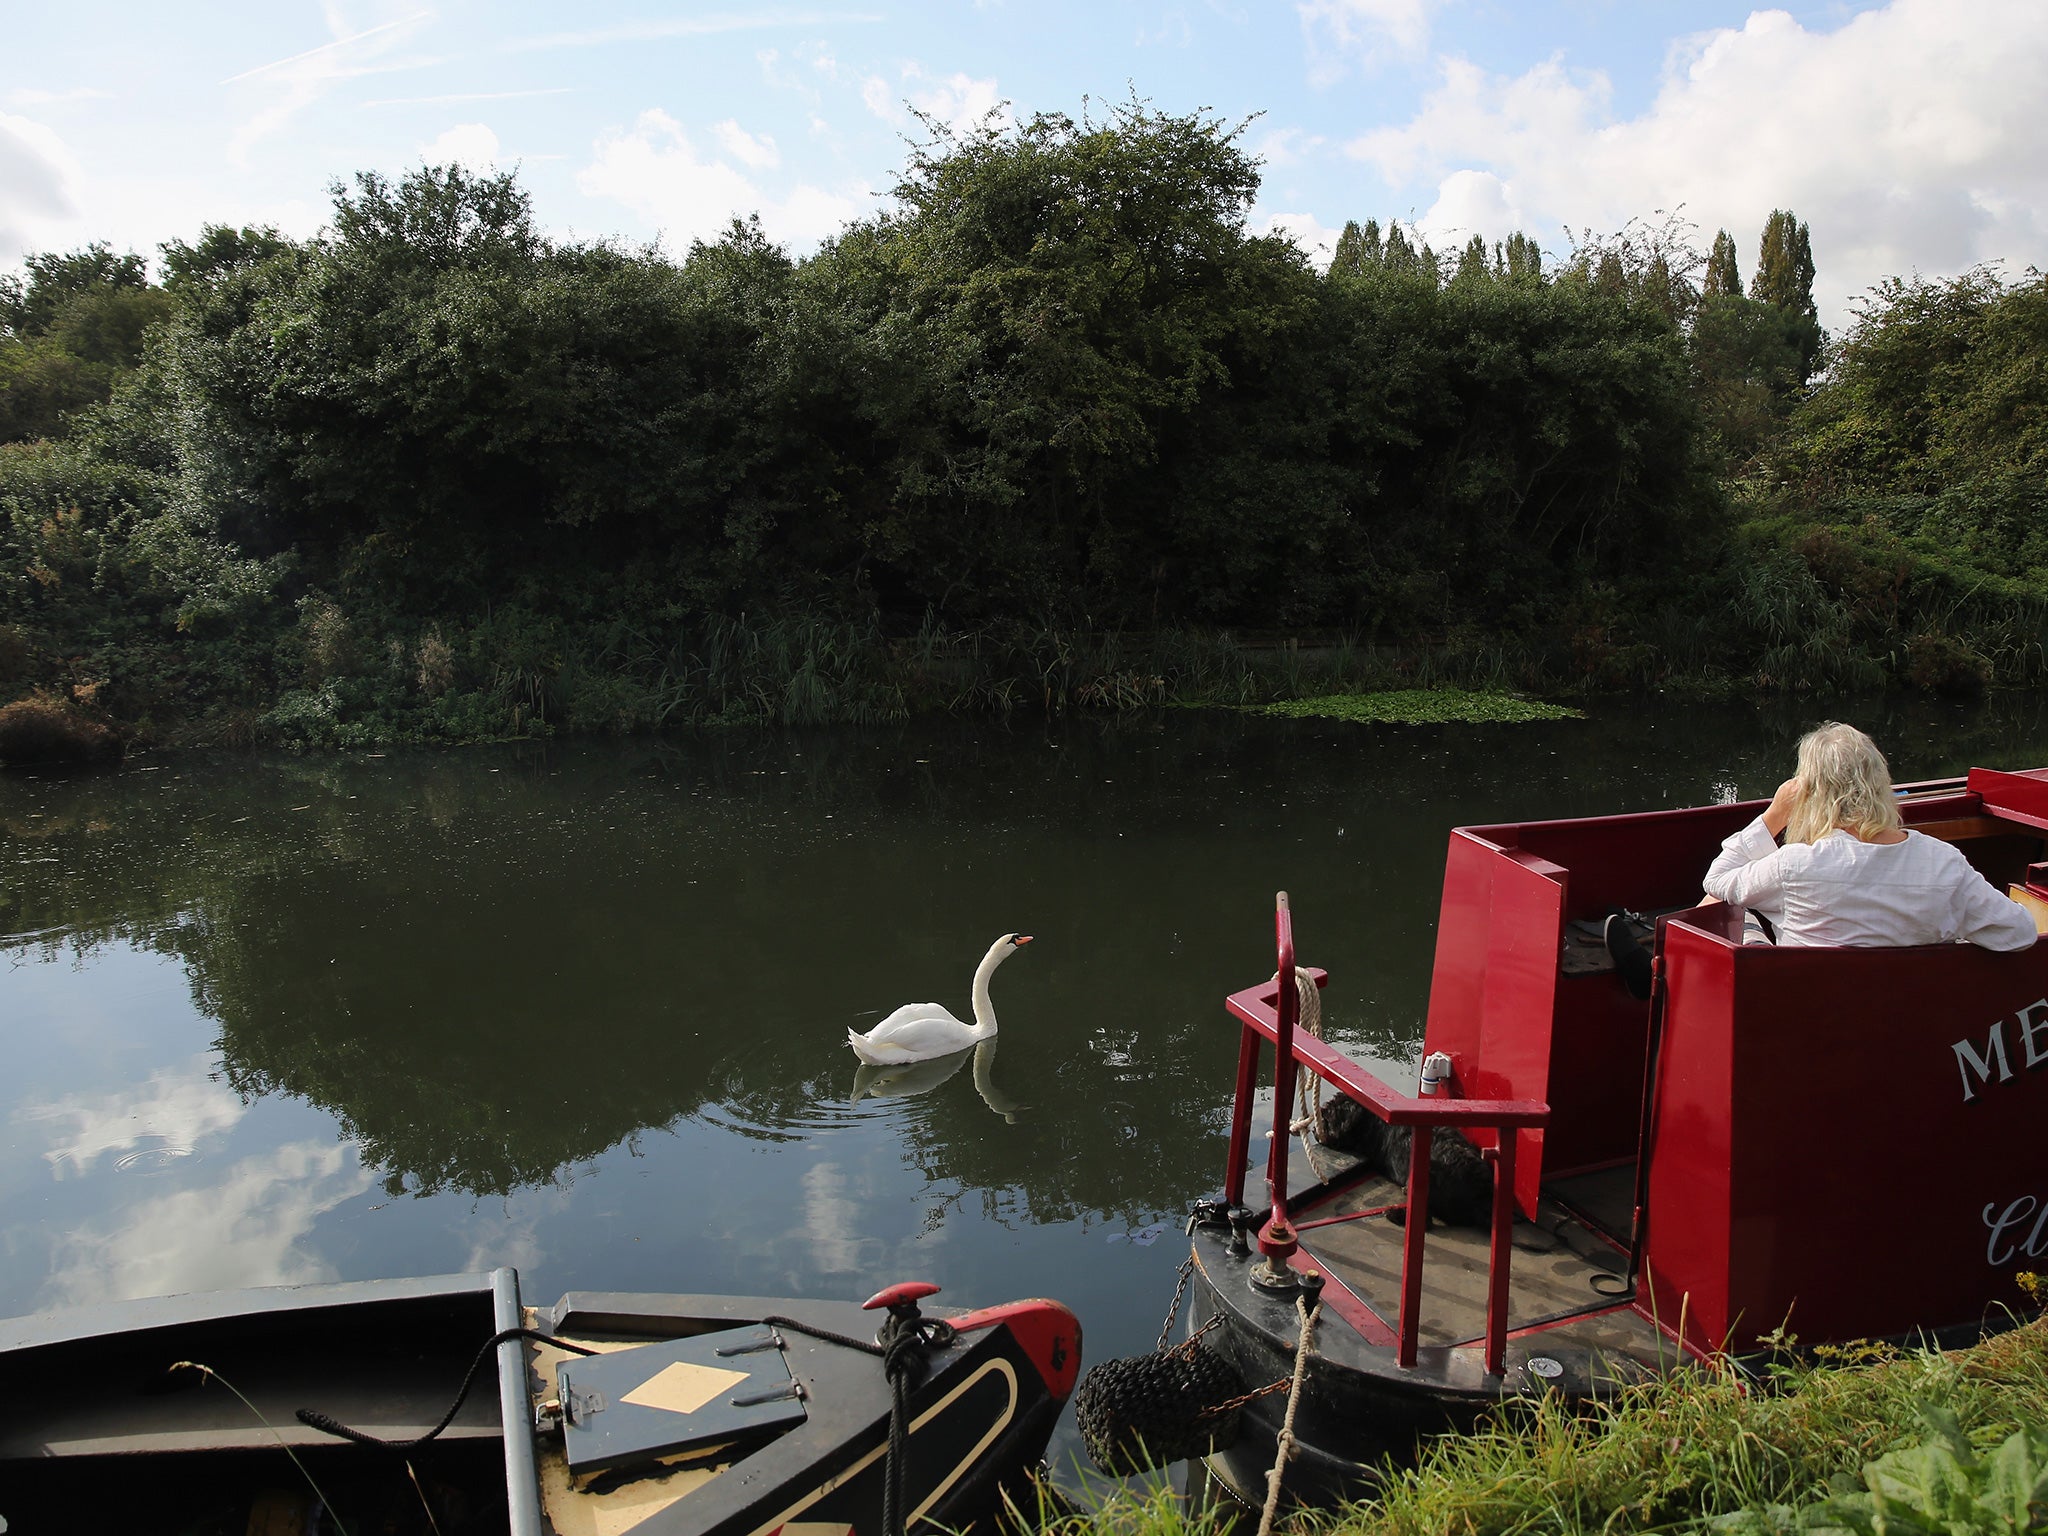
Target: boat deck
1568,1277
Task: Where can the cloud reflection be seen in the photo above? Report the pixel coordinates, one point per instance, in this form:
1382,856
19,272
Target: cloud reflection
244,1230
170,1113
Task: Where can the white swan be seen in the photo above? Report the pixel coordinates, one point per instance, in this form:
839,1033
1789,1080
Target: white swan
920,1031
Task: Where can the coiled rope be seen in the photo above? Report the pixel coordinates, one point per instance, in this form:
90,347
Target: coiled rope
1308,1086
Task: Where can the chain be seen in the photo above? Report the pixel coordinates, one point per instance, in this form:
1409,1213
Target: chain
1187,1268
1185,1349
1252,1396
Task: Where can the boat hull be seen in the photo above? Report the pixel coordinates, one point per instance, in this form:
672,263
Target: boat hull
119,1440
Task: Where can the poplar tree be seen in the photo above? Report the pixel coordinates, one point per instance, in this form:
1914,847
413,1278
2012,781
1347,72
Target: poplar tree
1784,265
1723,279
1472,262
1357,249
1784,280
1521,260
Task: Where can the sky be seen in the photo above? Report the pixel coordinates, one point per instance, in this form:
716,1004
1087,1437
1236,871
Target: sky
1908,135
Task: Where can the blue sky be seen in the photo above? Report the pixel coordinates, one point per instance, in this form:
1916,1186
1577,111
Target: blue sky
1906,133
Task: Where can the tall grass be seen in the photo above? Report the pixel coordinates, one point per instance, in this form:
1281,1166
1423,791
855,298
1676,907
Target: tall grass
1670,1455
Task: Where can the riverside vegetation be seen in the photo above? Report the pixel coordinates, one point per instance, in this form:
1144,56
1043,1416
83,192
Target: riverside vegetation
1054,430
1869,1441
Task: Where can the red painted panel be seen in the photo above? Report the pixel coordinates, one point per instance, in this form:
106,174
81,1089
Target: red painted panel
1826,1151
1686,1257
1459,978
2017,796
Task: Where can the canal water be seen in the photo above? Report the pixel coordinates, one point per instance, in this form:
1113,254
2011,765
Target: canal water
583,1008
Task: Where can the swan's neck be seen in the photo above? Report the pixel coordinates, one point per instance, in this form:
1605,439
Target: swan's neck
984,1010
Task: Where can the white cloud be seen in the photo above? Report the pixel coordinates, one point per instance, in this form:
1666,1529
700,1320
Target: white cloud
1281,148
656,171
757,154
38,185
958,100
1471,203
296,81
470,145
30,96
1339,32
1907,138
694,26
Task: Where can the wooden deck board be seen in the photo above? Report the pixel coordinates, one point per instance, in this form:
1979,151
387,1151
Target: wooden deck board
1551,1274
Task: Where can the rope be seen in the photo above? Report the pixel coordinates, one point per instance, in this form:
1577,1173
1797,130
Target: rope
1308,1086
1285,1446
330,1426
902,1347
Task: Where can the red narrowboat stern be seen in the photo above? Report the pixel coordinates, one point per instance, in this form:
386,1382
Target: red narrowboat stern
1825,1143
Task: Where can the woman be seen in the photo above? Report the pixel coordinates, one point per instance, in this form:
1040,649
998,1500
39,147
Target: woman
1849,872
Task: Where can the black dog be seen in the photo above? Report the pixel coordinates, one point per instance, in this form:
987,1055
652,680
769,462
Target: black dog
1460,1182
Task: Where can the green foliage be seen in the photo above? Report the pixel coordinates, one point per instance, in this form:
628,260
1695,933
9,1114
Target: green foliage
1682,1451
1723,277
1413,706
1784,281
31,303
1941,1487
219,252
68,330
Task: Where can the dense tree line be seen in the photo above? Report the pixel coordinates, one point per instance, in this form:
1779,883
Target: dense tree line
433,472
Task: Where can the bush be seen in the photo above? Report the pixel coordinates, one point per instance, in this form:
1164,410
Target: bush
43,728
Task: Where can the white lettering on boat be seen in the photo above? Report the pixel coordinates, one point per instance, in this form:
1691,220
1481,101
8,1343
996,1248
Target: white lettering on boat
2005,1227
2033,1039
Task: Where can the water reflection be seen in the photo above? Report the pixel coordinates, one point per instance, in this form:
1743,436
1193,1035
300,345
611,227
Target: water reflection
582,1008
906,1079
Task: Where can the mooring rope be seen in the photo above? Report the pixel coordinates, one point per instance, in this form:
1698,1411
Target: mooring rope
1308,1086
1285,1446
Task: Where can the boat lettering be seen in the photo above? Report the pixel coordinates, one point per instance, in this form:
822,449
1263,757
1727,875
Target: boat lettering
2033,1034
2005,1227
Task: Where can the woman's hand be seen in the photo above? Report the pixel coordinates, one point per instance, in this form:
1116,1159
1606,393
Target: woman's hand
1779,812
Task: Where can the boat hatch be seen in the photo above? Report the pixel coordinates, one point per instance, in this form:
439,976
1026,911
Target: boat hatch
633,1406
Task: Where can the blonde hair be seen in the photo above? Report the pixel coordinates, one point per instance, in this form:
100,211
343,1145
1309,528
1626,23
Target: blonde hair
1848,786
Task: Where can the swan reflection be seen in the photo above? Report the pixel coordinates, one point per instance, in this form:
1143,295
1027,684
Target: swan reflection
901,1080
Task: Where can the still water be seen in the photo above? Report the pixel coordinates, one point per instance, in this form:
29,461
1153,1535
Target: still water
583,1009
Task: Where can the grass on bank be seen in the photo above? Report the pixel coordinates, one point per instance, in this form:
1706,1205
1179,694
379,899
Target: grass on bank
1871,1439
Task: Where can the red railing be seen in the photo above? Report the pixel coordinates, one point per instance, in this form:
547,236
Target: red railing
1270,1012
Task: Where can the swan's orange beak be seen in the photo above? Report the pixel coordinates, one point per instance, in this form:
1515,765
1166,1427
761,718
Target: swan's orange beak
1021,940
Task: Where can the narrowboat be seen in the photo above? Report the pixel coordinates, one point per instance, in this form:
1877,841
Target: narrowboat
1778,1144
447,1405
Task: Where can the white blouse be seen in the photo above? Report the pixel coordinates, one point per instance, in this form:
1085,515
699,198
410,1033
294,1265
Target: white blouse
1842,890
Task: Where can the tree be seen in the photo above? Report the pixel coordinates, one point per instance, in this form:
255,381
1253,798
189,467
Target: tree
219,251
68,329
1357,249
1723,279
1784,280
30,305
1520,260
1472,266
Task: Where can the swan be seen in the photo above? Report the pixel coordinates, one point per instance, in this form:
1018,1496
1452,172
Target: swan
920,1031
902,1079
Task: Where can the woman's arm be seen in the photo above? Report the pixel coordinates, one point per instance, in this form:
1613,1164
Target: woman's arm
1748,870
1986,916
